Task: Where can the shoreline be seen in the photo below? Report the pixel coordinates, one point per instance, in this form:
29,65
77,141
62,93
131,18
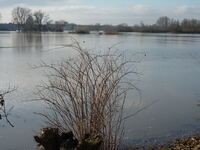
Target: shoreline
171,140
185,143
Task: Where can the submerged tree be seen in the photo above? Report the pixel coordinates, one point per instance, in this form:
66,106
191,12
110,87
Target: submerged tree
40,18
20,16
25,20
86,95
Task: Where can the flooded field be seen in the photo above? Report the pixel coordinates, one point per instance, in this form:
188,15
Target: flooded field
169,67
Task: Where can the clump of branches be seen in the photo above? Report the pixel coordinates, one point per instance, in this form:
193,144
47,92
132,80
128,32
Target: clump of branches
86,94
4,111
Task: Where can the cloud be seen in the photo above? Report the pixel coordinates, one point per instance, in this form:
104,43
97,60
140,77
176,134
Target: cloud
91,14
187,11
141,9
182,9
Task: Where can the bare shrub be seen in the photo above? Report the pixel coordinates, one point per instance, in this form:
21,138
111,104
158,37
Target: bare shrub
86,95
4,111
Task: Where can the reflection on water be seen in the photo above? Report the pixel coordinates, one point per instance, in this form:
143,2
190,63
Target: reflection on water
27,43
170,74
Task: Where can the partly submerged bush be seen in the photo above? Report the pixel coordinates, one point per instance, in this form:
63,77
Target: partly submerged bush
86,95
111,32
81,31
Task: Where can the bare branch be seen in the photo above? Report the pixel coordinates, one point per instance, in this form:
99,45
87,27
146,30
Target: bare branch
86,94
4,112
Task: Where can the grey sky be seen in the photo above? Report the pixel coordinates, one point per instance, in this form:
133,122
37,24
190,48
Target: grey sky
106,12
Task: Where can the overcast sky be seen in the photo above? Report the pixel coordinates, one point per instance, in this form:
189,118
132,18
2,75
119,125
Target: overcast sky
106,11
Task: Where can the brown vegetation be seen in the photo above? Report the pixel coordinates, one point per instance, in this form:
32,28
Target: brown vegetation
81,31
111,32
86,95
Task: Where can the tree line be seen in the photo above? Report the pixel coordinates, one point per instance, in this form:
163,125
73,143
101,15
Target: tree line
166,24
24,19
162,25
27,20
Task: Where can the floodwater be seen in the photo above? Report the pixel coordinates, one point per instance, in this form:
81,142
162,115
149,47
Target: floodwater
169,67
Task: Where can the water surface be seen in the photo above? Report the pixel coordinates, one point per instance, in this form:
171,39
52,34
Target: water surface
169,67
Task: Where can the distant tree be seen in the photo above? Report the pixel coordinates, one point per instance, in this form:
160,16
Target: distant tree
97,26
174,26
29,26
142,24
123,27
40,19
20,16
59,26
163,22
190,25
49,25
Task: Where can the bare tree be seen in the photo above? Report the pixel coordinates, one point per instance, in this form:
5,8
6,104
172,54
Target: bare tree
40,18
163,22
29,26
20,16
86,94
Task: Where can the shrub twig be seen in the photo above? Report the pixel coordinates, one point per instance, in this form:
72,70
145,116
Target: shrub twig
86,94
